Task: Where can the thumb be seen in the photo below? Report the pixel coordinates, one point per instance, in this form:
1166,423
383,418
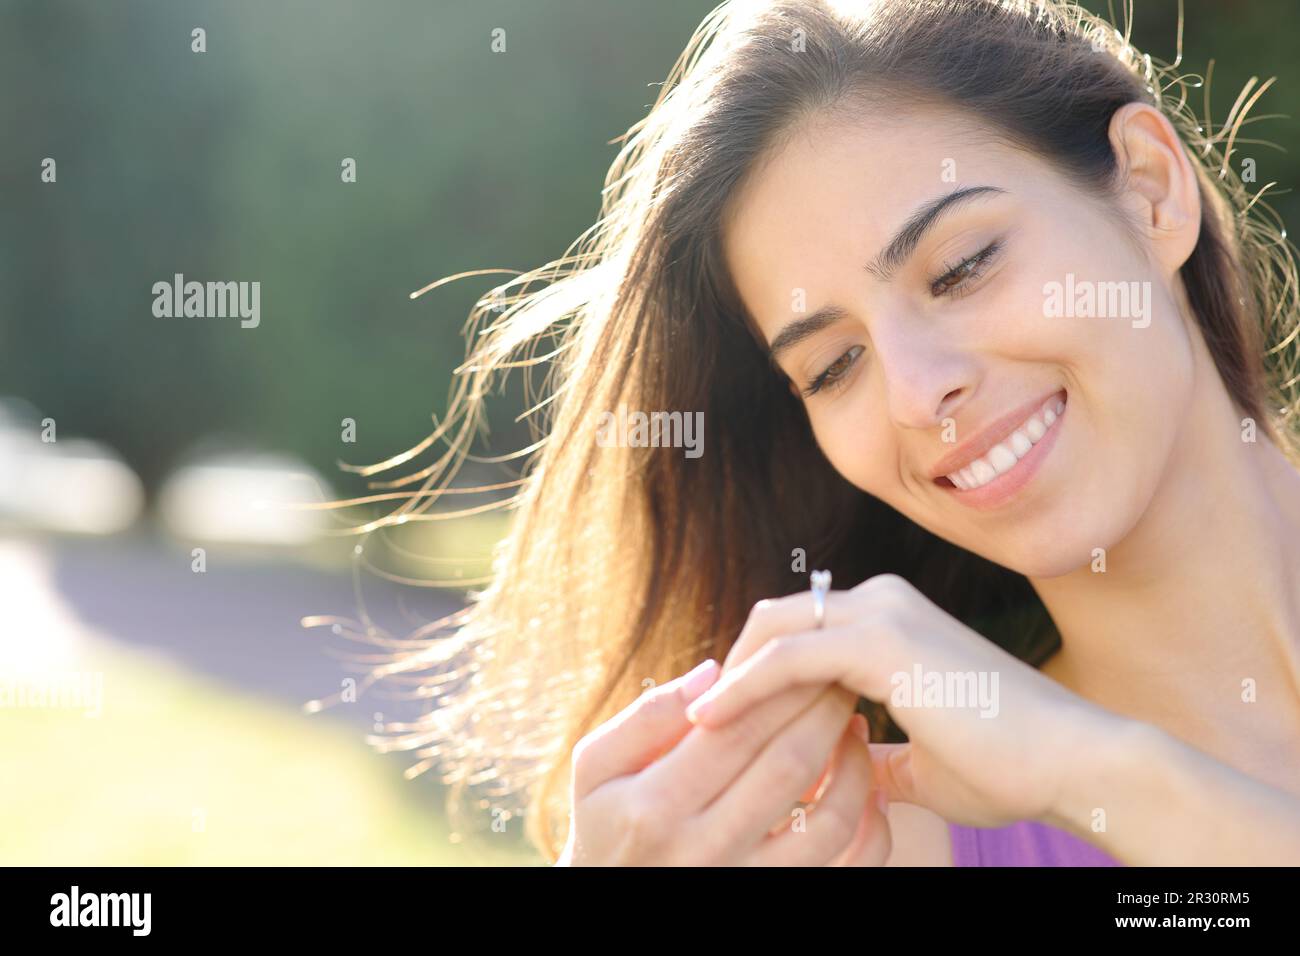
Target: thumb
640,733
891,766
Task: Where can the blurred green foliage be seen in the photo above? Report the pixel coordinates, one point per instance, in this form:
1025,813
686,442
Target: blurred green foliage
225,165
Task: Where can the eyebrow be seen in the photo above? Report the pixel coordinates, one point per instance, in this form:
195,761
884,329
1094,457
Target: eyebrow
798,330
923,220
883,266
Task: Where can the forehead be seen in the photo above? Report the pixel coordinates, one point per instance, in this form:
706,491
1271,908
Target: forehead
835,190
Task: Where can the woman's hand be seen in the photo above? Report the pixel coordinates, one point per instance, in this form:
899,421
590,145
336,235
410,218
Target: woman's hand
978,762
650,788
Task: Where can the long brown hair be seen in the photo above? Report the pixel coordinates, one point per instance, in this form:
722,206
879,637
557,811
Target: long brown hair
629,565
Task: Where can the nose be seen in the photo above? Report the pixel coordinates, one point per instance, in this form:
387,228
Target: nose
926,378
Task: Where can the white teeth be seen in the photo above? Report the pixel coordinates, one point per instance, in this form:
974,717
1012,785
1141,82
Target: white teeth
1003,456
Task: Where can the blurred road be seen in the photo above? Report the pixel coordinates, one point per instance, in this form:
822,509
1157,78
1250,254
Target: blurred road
237,622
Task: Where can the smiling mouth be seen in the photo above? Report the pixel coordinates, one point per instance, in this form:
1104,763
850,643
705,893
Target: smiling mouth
1005,457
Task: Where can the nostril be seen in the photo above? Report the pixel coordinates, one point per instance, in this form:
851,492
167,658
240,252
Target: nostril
948,402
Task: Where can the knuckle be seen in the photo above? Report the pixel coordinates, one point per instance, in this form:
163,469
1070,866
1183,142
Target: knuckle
746,726
764,612
758,616
655,706
581,754
777,649
659,702
788,766
641,824
887,599
884,586
741,644
761,626
895,582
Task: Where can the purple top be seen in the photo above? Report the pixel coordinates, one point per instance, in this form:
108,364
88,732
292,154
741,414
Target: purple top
1026,843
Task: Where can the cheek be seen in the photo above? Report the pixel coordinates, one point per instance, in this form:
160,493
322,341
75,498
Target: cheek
1135,372
1144,381
1133,369
859,445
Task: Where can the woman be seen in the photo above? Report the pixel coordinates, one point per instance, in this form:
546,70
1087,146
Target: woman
979,320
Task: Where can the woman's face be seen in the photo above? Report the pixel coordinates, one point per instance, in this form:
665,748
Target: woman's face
952,365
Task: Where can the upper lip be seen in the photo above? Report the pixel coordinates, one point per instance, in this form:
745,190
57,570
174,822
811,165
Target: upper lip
984,440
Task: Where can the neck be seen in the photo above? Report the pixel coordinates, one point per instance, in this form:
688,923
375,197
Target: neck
1197,612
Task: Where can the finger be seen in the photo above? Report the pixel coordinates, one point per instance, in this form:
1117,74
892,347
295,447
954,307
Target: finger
809,795
767,619
891,765
709,759
785,615
858,725
817,787
762,794
639,733
793,613
857,656
874,840
770,618
825,830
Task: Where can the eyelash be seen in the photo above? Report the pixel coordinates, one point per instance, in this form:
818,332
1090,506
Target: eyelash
966,271
831,378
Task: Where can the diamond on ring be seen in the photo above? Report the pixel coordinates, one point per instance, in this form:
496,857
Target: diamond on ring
821,584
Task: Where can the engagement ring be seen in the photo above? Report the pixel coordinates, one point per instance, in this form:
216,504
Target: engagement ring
821,584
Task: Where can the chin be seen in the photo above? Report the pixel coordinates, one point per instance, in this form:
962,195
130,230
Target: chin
1051,564
1066,543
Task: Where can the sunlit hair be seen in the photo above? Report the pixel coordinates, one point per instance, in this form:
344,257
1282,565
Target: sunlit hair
625,566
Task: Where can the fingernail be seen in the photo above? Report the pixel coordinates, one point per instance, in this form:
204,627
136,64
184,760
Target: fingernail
699,679
696,711
704,705
860,727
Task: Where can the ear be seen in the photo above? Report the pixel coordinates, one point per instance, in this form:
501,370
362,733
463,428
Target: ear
1158,185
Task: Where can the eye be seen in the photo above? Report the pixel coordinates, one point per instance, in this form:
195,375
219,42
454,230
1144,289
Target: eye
954,279
834,372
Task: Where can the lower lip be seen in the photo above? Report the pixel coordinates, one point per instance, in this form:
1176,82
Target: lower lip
1008,484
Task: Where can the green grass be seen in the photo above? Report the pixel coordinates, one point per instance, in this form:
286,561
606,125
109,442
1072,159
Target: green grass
178,770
